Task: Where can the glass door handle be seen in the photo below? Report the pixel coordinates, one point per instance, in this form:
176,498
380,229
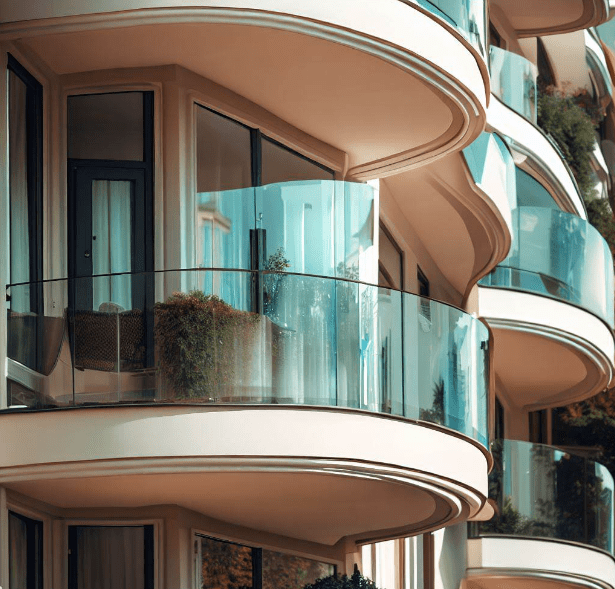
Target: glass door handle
86,254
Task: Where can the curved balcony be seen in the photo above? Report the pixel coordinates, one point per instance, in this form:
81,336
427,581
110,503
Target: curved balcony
513,81
305,73
242,352
548,502
513,115
469,18
551,305
545,17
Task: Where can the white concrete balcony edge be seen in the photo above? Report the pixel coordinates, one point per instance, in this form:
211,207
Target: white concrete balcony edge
496,560
577,330
414,477
396,33
529,141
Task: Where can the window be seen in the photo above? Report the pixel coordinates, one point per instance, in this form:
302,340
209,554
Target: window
395,564
25,130
121,557
423,282
494,37
539,427
390,261
499,433
25,186
243,216
25,552
226,565
531,193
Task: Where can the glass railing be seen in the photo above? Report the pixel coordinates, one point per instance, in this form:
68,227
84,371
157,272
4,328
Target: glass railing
492,167
544,492
558,255
468,16
513,81
231,336
320,227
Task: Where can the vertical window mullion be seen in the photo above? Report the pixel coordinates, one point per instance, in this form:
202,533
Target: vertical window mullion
257,568
257,159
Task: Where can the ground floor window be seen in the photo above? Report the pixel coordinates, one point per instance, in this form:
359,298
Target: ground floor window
25,552
111,557
226,565
395,564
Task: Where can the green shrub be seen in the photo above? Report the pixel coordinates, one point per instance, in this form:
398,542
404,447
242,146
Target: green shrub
571,120
573,130
198,338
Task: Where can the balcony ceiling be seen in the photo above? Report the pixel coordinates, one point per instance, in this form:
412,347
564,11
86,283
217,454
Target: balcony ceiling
547,17
547,353
263,468
383,104
441,199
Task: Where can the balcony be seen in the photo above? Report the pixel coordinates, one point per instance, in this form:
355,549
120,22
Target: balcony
513,81
548,502
349,381
547,18
513,115
468,19
343,77
551,306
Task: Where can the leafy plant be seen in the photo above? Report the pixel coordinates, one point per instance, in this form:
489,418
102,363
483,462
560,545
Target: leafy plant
562,116
356,581
436,413
198,338
571,118
276,264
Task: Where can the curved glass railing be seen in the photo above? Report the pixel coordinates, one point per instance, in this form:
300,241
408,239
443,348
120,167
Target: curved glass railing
232,336
544,492
469,17
558,255
513,81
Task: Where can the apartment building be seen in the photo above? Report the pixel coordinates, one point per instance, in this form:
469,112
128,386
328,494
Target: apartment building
277,274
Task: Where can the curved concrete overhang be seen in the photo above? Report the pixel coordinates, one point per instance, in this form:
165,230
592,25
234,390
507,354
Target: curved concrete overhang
474,213
310,473
536,153
391,88
550,17
547,352
524,563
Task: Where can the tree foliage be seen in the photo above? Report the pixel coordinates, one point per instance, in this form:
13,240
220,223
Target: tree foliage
562,116
571,119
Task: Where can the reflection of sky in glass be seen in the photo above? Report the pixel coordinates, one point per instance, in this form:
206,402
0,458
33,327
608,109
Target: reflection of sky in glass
559,255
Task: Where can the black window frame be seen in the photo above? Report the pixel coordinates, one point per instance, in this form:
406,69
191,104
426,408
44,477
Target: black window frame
423,282
402,259
34,172
148,548
256,154
34,550
258,237
257,558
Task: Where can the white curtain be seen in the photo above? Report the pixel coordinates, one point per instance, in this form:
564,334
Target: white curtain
111,243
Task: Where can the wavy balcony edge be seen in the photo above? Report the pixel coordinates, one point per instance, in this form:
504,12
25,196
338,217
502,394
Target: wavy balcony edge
312,340
379,42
